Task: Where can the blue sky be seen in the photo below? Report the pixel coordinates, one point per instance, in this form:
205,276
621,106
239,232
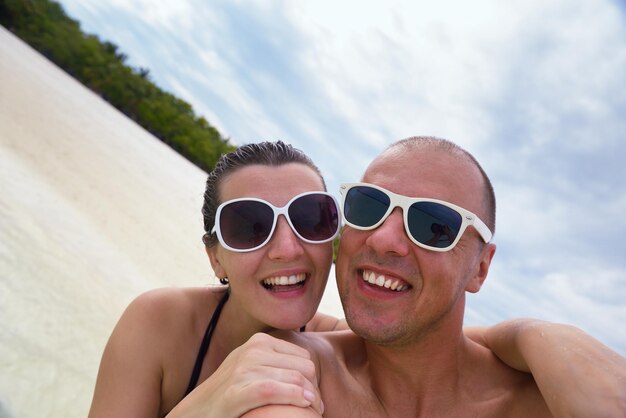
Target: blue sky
536,90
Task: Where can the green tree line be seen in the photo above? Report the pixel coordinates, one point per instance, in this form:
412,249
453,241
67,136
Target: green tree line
100,66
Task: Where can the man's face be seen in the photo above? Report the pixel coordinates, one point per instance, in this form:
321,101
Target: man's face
417,291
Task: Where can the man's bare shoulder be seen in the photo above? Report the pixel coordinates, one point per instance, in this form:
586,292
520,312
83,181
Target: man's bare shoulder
329,346
528,401
341,361
498,390
322,322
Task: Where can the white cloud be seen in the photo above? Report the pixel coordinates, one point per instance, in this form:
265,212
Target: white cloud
589,297
169,15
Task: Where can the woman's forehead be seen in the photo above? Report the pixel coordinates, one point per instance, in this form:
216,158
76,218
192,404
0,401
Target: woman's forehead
270,182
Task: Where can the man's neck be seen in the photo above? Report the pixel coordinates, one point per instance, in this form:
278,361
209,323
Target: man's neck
418,376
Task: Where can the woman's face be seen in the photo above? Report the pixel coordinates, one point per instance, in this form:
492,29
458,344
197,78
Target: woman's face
255,276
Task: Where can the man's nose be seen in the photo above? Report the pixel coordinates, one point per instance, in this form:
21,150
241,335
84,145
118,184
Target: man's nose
390,237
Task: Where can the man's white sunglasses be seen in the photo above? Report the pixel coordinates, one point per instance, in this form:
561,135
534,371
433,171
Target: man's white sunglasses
430,223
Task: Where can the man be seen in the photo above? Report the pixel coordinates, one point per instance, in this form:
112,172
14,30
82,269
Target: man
402,274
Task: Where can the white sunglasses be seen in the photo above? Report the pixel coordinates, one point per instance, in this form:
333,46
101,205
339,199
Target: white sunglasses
247,224
432,224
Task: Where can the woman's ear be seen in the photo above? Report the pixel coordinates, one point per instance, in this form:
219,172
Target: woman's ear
482,268
214,258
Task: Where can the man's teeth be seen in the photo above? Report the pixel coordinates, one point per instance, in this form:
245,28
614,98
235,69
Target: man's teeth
285,280
380,280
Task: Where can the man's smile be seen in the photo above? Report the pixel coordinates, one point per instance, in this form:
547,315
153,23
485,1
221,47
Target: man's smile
382,280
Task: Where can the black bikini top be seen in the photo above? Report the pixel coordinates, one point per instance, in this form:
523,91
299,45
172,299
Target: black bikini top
206,340
204,346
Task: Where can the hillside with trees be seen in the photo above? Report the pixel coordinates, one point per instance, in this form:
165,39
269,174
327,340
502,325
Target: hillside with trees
100,66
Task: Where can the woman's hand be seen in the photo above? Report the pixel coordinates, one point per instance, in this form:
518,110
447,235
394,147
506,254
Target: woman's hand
577,375
263,371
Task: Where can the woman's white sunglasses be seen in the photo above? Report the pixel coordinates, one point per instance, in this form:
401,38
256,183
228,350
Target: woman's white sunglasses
248,223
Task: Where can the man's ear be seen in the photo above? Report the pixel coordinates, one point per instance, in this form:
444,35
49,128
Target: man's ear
214,258
482,268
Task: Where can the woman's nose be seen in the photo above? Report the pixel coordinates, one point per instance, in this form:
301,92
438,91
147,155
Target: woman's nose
285,244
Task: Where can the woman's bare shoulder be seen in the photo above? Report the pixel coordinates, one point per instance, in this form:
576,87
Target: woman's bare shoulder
157,323
165,310
169,299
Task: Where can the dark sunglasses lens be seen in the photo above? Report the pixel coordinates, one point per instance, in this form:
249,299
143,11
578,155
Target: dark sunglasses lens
314,216
246,224
434,224
364,206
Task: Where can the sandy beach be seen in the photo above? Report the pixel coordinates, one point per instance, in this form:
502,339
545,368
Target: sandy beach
93,211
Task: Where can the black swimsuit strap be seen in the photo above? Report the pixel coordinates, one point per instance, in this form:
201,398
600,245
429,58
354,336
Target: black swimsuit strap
206,340
204,347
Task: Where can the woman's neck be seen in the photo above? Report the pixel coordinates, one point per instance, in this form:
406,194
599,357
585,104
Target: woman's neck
234,327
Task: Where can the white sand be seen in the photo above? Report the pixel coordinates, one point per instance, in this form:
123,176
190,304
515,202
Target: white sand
93,211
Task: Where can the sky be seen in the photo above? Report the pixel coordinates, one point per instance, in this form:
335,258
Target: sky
535,90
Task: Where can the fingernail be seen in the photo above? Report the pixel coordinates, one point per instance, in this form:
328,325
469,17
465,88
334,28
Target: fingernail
322,405
309,396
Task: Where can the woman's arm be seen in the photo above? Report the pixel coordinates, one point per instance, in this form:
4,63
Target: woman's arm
129,377
577,375
263,371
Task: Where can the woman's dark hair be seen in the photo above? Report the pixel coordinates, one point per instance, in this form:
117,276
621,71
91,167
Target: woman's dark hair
263,153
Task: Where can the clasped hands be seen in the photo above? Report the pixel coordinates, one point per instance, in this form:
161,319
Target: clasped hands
263,371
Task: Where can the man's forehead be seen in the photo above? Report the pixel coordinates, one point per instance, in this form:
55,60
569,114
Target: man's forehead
419,171
411,161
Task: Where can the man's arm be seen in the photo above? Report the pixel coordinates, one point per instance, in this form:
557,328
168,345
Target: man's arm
577,375
281,411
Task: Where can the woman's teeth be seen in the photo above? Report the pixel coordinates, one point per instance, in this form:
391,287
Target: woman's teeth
380,280
285,280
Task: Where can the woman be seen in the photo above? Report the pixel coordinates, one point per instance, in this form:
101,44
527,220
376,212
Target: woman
188,352
275,268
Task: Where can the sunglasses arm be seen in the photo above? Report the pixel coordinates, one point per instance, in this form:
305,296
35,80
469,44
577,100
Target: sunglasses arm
482,229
